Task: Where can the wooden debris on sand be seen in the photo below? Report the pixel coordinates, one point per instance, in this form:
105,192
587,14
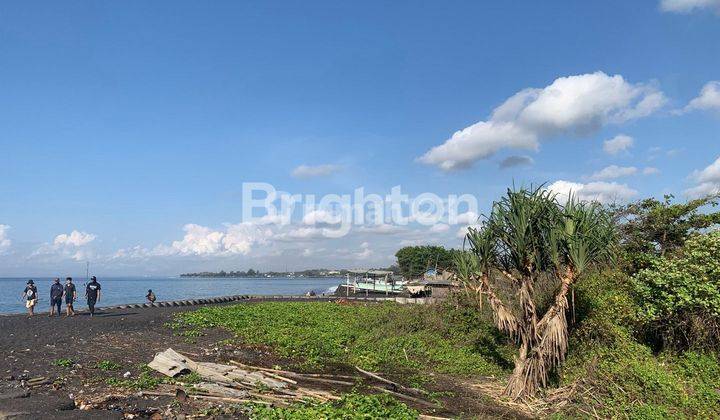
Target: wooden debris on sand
172,363
169,363
244,383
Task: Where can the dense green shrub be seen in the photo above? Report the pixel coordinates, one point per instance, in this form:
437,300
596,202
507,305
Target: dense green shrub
680,296
618,376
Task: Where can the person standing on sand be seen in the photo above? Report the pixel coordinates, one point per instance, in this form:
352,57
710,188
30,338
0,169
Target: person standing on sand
56,293
70,296
30,294
92,292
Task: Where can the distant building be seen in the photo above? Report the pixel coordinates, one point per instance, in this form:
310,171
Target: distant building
432,284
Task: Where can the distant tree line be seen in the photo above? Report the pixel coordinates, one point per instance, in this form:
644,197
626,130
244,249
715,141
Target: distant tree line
251,273
413,261
223,273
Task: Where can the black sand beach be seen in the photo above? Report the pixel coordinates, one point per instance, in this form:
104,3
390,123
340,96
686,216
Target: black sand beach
30,346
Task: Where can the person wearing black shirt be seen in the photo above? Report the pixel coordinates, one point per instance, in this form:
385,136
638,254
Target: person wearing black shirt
30,294
92,291
56,293
70,296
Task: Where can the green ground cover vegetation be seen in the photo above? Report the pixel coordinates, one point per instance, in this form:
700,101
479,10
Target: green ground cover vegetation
643,331
386,337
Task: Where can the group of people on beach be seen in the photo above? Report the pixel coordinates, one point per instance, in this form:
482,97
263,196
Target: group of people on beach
60,292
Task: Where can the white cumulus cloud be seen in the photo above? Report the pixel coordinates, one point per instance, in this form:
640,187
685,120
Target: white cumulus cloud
381,229
5,242
201,240
319,217
467,218
302,233
439,228
707,181
614,172
73,245
309,171
74,238
575,105
617,144
707,100
463,231
687,6
365,252
603,192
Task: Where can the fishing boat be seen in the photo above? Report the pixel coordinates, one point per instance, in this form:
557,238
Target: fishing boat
372,282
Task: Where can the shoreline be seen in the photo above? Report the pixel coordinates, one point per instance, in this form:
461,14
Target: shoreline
236,299
124,291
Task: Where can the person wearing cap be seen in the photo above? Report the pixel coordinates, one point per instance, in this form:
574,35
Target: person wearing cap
92,292
70,296
56,293
30,294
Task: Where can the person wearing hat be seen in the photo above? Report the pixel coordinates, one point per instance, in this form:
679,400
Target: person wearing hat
30,294
92,292
70,296
56,293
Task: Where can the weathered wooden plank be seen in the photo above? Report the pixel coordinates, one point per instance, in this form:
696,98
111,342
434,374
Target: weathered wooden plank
169,363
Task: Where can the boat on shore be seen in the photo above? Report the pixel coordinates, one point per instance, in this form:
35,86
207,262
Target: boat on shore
371,282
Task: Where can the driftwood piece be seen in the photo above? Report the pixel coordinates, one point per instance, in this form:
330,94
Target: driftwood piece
327,381
395,385
318,377
221,391
172,363
169,363
230,400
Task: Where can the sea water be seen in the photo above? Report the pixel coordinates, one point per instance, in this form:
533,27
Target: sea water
124,290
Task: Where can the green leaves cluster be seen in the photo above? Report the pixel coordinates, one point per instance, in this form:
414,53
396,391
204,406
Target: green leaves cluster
529,231
690,282
107,365
415,260
63,363
680,294
651,228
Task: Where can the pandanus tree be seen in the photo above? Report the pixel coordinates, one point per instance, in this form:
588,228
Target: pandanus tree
530,238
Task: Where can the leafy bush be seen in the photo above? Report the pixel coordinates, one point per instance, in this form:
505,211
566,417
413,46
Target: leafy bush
351,406
387,337
625,378
680,297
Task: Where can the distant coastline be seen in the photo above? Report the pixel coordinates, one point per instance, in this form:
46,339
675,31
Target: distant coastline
315,273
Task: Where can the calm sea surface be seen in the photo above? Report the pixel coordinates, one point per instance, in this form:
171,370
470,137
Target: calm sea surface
122,290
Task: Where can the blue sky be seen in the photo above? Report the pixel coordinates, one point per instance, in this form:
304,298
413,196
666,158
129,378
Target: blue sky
124,122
